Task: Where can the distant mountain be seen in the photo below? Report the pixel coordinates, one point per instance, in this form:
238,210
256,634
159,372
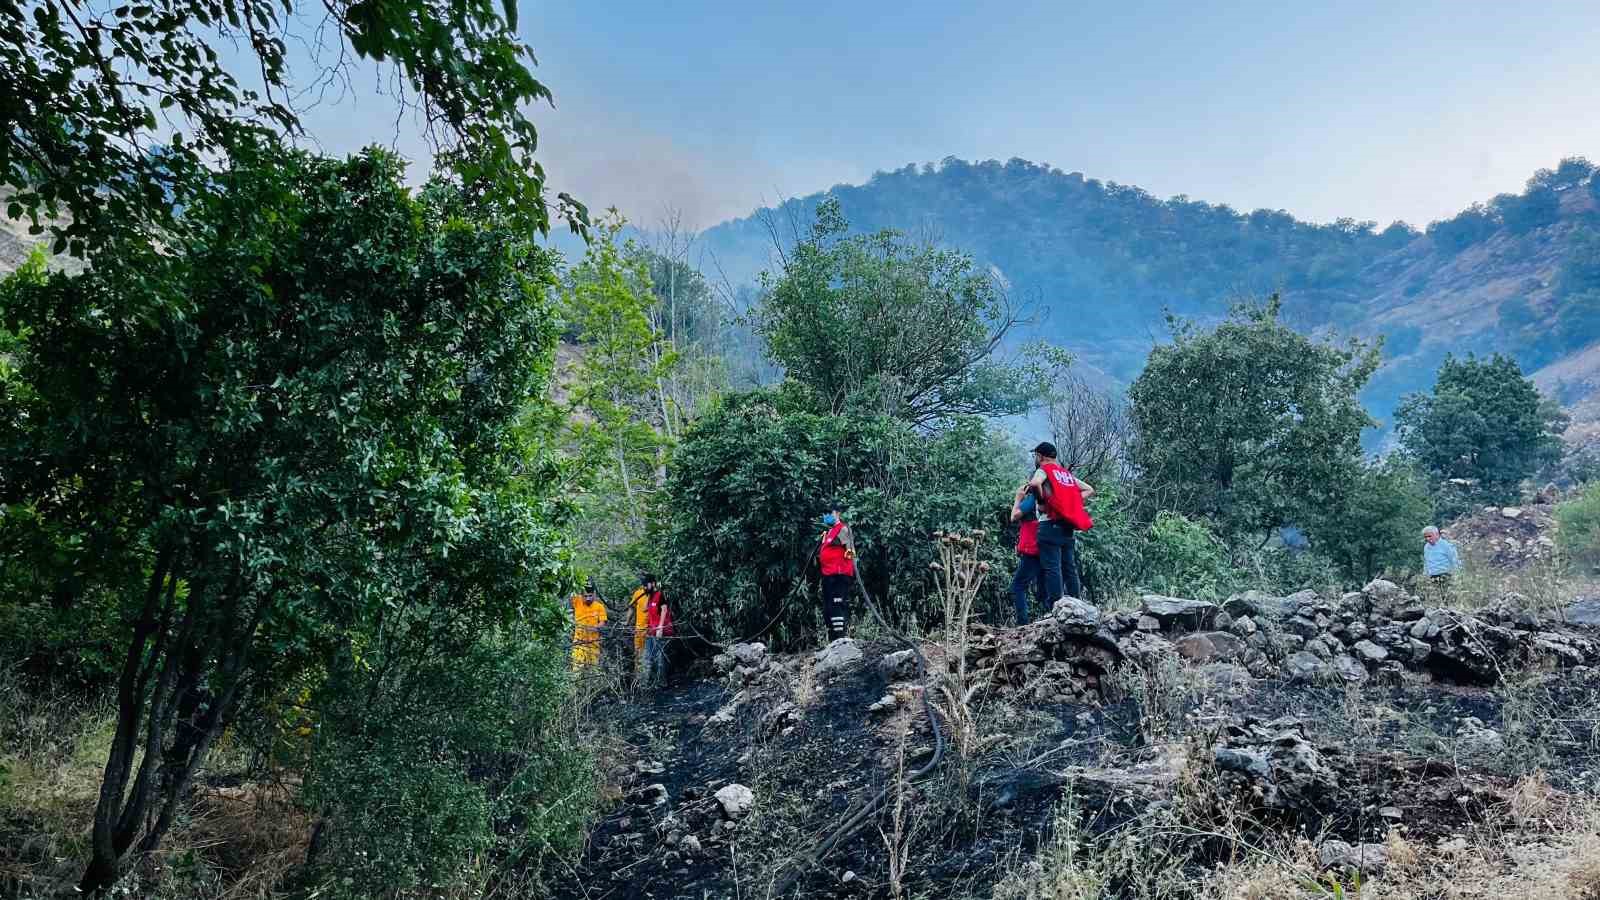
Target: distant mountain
1100,263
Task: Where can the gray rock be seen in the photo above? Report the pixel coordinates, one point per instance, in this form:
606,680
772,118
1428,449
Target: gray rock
1223,621
752,655
1304,667
1419,650
1511,512
1583,611
1425,629
1209,646
1319,648
1148,623
1370,652
1371,859
1356,631
723,663
1173,611
1144,647
652,795
1244,626
887,703
690,845
899,665
1476,739
1302,626
1380,589
840,654
1349,669
1391,813
1243,761
1077,616
736,800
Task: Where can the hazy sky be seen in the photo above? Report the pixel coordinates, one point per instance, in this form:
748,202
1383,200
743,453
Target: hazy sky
1372,110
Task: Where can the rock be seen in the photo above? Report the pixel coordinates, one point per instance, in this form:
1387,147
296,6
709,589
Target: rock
1302,627
1370,859
1148,623
1076,616
723,663
749,655
690,845
1380,589
1223,621
1244,626
1319,648
1209,646
1419,649
1243,761
1583,611
1391,813
1511,512
899,665
1144,647
1370,652
1304,667
1425,629
1356,631
1477,740
1349,669
887,703
840,654
848,877
728,712
735,799
1173,611
651,795
1274,763
649,767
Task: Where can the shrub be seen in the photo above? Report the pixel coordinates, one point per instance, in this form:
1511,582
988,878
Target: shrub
1182,556
1578,527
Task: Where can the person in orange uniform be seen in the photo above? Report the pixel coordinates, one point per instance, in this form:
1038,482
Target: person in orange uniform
588,615
641,603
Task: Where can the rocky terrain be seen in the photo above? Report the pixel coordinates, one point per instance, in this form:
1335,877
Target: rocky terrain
1286,746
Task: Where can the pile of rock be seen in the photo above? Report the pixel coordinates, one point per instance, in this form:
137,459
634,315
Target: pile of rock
1508,537
1379,631
1060,657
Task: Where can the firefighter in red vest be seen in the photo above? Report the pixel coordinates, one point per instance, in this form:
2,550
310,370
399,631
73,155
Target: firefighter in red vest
1029,576
838,558
1061,512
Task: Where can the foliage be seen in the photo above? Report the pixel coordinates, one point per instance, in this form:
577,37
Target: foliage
115,113
294,428
618,411
438,770
749,484
875,324
1375,521
1578,527
1249,425
1182,556
1483,423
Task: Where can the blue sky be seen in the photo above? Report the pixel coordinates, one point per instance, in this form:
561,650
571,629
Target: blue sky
1372,110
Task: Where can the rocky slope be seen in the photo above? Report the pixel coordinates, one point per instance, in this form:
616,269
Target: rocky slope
1161,745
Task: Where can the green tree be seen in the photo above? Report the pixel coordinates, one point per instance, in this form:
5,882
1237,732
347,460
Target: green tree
751,480
297,426
1249,425
1375,521
1483,423
874,323
112,113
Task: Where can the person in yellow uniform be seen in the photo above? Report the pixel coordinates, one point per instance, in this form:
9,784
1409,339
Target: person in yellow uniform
640,601
588,615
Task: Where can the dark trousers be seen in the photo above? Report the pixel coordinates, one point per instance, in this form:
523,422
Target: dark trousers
836,605
1059,559
1029,575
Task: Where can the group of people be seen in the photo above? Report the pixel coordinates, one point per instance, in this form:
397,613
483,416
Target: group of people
1048,509
651,624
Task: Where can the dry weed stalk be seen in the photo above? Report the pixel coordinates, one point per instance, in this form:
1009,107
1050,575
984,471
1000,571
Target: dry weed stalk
958,577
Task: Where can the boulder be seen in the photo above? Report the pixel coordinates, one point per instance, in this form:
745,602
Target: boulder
1148,623
736,800
1511,512
840,654
1583,611
1370,652
1274,762
1144,647
1243,626
1476,739
899,665
1176,611
1209,646
751,655
1076,616
1349,669
1301,666
1379,589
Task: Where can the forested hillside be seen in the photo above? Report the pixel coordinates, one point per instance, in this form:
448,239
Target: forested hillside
1099,263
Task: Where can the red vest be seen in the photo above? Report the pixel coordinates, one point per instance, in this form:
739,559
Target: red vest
836,558
658,616
1028,538
1065,503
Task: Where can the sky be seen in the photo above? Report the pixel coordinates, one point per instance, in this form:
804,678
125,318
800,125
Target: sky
1376,111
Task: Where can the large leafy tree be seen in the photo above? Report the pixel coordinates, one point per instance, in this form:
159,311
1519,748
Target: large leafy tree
1250,424
876,323
1375,522
298,426
111,113
750,481
1483,424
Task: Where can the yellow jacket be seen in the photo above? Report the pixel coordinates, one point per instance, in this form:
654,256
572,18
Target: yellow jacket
587,618
640,600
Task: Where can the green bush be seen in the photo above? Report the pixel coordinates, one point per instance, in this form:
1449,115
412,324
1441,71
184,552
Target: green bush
1578,527
1183,557
750,481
